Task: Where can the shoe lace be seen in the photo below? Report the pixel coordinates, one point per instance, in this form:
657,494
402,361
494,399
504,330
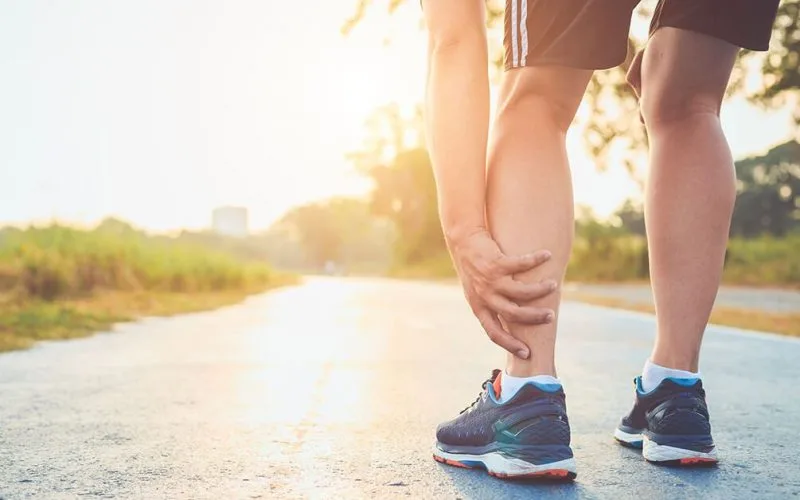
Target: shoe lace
480,394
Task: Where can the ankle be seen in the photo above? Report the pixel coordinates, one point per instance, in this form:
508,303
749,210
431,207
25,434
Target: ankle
676,361
525,368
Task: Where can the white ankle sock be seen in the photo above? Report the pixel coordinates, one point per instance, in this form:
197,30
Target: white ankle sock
653,374
509,385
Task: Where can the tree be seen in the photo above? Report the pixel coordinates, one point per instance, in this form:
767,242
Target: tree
317,232
405,193
631,218
395,158
342,230
769,192
767,200
389,132
613,124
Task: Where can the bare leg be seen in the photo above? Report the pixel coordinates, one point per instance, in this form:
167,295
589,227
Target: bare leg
529,192
691,189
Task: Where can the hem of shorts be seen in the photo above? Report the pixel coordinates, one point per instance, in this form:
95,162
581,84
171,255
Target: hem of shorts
560,62
737,43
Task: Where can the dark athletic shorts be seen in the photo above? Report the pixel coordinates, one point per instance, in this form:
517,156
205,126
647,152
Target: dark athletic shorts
593,34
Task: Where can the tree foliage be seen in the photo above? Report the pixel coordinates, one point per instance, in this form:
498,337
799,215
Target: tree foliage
344,231
613,123
394,154
405,193
768,201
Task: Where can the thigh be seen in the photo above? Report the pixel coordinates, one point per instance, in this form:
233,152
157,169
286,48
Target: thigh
586,34
551,91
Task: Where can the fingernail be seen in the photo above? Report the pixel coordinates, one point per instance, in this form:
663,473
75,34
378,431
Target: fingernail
549,317
522,353
552,285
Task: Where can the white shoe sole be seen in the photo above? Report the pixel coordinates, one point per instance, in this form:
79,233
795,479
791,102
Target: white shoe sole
632,440
499,465
654,452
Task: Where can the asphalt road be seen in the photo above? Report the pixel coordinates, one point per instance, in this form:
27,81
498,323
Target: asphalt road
333,389
771,300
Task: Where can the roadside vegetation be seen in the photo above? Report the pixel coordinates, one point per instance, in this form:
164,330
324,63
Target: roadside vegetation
59,282
764,250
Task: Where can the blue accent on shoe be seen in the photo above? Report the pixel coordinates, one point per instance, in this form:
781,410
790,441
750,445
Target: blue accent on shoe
685,382
631,444
546,387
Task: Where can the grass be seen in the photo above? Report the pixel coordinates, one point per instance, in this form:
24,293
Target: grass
58,282
786,324
763,261
623,258
23,323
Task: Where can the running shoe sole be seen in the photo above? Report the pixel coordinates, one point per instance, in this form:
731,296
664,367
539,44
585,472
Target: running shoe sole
627,439
663,454
505,467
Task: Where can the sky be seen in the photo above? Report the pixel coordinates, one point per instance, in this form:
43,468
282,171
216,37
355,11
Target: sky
157,111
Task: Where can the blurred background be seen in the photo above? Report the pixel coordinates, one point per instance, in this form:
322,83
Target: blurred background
159,157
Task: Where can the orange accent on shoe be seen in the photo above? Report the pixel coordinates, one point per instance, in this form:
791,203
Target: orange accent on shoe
498,385
697,460
451,462
547,474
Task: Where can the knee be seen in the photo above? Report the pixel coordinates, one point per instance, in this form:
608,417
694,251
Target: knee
537,106
666,108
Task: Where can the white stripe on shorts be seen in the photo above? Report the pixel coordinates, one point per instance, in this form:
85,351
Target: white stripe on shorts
523,31
514,47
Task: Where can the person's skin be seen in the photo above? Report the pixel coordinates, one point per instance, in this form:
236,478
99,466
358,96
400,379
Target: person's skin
529,192
691,187
528,197
457,118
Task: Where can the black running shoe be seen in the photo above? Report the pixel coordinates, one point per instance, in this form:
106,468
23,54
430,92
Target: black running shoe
670,424
525,437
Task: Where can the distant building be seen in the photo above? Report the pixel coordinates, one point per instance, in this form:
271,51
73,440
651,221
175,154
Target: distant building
230,221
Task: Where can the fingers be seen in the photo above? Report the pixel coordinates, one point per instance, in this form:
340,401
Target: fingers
514,313
525,292
491,324
515,264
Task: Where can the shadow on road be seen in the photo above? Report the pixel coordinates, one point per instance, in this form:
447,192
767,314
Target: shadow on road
479,485
705,478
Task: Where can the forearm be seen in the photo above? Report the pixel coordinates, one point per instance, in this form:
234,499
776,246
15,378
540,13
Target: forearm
457,119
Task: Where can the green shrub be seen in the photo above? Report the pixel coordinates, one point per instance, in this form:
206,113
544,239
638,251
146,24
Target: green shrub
55,262
608,258
765,260
614,256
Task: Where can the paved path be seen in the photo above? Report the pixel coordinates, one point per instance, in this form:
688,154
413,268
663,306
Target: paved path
773,300
332,389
